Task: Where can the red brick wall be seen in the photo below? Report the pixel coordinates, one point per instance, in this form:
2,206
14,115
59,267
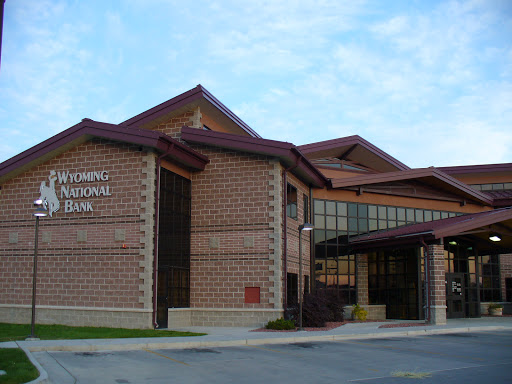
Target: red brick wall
293,232
230,230
173,126
99,272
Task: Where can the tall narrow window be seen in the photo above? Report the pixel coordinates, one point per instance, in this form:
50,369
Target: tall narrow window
291,201
292,289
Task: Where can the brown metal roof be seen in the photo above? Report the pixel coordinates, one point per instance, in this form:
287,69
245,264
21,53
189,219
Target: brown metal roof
484,168
429,176
287,153
356,149
476,226
196,97
88,129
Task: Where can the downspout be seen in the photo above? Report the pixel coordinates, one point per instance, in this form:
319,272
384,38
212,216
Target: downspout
311,244
285,230
156,231
427,280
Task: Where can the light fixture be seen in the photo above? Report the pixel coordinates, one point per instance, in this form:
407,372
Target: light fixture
38,212
306,227
453,242
494,237
302,227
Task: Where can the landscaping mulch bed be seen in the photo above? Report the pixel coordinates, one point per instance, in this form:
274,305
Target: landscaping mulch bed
328,327
400,325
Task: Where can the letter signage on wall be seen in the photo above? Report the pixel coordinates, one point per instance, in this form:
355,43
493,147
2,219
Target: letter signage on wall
72,192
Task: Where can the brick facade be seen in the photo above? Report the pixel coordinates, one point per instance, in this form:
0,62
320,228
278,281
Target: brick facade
88,262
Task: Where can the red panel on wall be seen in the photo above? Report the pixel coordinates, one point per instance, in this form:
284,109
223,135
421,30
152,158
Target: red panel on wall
252,295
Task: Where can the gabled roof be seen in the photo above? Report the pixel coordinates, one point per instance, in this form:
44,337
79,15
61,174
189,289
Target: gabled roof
288,154
477,226
429,176
356,149
88,129
196,97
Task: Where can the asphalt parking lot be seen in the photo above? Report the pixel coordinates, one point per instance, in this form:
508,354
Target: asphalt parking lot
449,358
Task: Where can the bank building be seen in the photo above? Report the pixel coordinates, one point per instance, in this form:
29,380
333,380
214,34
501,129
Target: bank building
184,215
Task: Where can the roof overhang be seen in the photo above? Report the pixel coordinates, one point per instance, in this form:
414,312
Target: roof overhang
289,156
475,228
477,169
354,148
196,97
432,177
89,129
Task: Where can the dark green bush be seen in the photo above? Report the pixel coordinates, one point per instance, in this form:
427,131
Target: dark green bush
280,324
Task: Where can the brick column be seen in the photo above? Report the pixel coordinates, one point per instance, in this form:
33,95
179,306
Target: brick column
362,279
436,285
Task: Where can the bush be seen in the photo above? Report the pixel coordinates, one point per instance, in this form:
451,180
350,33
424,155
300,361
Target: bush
320,307
359,312
495,306
280,324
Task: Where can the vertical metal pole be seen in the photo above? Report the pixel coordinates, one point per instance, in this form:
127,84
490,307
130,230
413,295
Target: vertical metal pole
300,280
34,279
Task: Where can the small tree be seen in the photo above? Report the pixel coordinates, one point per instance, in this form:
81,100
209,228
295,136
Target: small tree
320,307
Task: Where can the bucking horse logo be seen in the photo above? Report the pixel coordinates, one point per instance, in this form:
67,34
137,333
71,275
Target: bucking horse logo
48,195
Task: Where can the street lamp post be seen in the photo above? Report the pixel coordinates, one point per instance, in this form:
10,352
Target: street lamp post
303,227
38,212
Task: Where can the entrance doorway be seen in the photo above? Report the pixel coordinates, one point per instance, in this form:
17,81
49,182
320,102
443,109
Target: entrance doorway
455,295
173,291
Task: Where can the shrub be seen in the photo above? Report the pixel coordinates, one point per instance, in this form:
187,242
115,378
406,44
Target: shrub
359,312
280,324
319,308
495,306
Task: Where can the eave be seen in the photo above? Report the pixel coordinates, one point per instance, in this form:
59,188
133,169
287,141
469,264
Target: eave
428,176
289,156
356,149
89,129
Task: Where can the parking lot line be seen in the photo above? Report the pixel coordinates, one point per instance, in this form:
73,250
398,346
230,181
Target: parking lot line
167,357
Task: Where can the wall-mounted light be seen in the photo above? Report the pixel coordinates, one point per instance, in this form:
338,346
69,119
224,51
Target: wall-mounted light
494,237
453,242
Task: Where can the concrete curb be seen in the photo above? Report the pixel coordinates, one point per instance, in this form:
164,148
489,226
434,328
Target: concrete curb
111,345
43,375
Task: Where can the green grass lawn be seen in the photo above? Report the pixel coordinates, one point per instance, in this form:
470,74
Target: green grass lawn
18,367
15,332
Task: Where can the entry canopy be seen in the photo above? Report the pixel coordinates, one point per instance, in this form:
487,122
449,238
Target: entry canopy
476,229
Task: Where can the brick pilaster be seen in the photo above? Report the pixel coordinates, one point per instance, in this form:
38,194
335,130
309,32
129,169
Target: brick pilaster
362,279
436,286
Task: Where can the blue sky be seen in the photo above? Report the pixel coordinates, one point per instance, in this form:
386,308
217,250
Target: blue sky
428,82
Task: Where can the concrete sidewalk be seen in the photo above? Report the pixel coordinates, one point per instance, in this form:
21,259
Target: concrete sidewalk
224,337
